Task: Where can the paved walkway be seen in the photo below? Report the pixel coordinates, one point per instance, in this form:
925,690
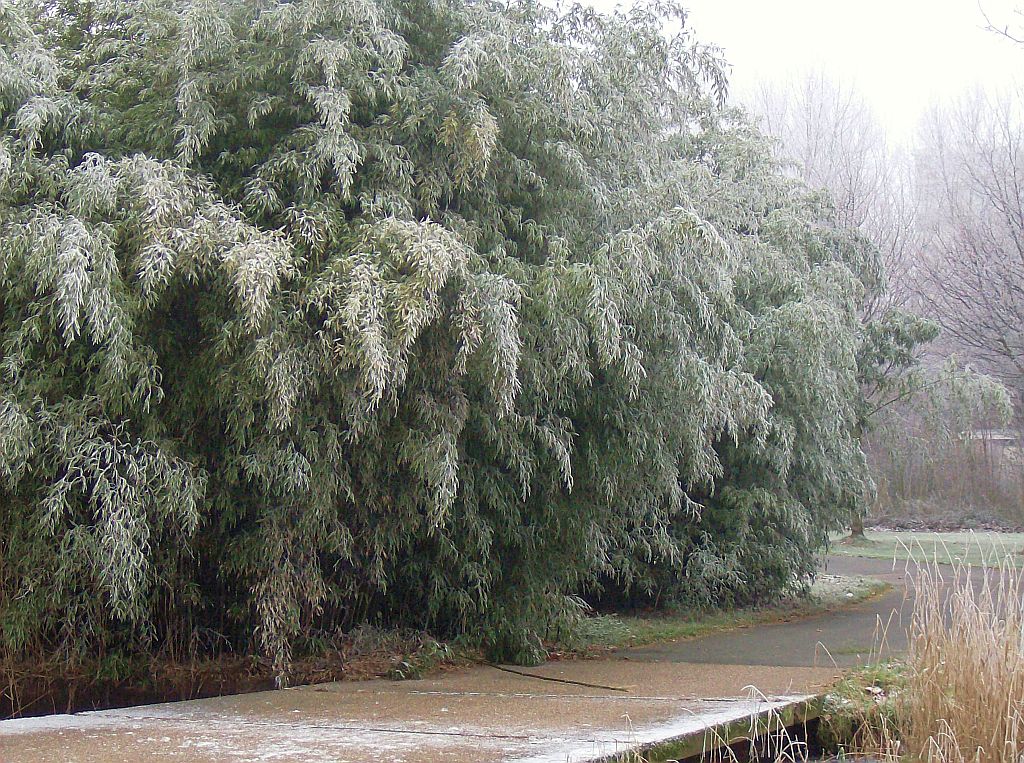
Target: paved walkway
484,713
864,632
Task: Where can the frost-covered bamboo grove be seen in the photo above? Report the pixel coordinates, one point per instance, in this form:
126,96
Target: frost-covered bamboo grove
425,313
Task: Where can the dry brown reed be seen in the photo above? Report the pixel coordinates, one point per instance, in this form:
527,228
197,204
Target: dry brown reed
964,696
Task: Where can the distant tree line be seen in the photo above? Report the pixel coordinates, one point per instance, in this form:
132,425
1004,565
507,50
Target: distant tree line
947,215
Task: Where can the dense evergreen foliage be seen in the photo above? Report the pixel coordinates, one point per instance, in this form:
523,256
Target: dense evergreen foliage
413,312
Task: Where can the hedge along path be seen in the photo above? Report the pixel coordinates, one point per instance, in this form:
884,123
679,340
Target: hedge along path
409,313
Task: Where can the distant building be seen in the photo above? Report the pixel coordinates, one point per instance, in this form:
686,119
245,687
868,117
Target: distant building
1002,447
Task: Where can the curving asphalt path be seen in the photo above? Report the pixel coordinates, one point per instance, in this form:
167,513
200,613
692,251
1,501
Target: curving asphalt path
862,633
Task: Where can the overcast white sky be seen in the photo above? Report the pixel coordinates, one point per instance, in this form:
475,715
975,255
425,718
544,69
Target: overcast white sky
901,55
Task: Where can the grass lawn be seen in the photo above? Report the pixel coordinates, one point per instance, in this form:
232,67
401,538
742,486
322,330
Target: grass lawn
981,548
829,592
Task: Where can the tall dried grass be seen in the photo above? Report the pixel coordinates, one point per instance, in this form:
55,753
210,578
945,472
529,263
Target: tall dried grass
961,697
964,697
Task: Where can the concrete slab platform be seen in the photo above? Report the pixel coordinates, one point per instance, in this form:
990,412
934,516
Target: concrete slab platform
478,714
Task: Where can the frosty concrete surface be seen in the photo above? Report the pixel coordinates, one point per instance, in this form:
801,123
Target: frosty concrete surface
472,715
484,714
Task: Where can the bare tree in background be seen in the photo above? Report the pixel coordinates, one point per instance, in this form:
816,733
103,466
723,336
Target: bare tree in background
834,142
831,137
1009,25
972,170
